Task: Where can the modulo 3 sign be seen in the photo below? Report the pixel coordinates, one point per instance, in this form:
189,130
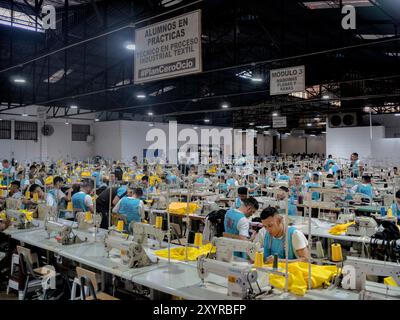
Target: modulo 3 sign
287,80
168,49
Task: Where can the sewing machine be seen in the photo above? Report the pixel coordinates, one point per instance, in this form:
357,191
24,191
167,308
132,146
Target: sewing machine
131,251
19,219
363,227
355,273
227,246
241,279
142,231
345,218
64,232
85,224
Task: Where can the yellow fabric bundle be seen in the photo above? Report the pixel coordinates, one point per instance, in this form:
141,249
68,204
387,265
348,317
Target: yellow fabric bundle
86,174
389,281
212,170
179,253
153,180
340,228
298,277
49,180
139,177
181,207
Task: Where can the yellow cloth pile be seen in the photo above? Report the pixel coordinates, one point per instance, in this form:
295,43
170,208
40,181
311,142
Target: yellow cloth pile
298,277
340,228
212,170
179,253
86,174
153,180
139,177
181,207
389,281
49,181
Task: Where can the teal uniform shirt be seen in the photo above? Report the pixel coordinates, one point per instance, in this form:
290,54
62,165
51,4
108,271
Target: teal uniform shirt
274,246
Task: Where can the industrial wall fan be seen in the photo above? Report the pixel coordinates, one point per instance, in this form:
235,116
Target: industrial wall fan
47,130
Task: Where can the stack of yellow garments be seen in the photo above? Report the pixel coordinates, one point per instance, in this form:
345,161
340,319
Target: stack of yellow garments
139,177
181,207
49,181
389,281
212,170
86,174
179,253
340,228
153,180
298,277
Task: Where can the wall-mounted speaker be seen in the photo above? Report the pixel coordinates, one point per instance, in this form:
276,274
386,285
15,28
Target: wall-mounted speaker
342,120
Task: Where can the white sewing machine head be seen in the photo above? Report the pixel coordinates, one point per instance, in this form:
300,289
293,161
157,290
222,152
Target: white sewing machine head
84,223
132,252
64,232
364,226
142,231
227,246
241,279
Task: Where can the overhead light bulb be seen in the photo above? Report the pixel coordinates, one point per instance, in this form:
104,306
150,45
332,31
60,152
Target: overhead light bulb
140,96
19,80
150,113
74,106
206,120
275,114
224,106
130,46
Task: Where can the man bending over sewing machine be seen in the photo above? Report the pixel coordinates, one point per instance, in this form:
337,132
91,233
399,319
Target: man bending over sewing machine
55,196
274,241
236,220
131,206
242,195
82,201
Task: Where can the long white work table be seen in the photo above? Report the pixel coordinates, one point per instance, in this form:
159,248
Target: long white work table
176,278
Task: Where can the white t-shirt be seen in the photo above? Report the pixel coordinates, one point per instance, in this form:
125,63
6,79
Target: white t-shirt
243,227
50,199
88,201
260,237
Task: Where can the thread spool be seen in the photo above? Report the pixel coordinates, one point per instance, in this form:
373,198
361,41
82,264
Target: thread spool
390,212
198,239
320,250
1,193
69,206
259,259
336,252
88,216
120,225
27,195
35,197
159,221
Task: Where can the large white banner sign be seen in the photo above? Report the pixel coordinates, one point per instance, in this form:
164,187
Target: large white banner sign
168,49
287,80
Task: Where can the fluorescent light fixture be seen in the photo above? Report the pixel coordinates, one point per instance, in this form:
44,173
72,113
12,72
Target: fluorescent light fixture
251,124
330,4
151,124
322,123
150,113
275,114
257,79
206,120
309,124
225,106
325,96
97,120
19,80
195,128
24,114
130,46
323,132
263,127
397,114
140,96
74,106
67,123
312,135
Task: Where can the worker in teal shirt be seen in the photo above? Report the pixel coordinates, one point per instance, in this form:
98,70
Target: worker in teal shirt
275,237
328,162
242,195
396,207
236,221
285,176
283,196
82,201
356,166
97,175
131,206
314,184
365,187
8,172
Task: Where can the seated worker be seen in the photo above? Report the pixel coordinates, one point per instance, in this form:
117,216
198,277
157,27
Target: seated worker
24,183
236,220
204,180
242,195
55,196
253,186
221,185
97,175
283,196
82,201
28,203
41,178
15,191
120,193
296,186
274,241
232,182
396,207
339,183
285,176
328,162
314,184
365,187
131,206
146,187
395,171
8,172
333,168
